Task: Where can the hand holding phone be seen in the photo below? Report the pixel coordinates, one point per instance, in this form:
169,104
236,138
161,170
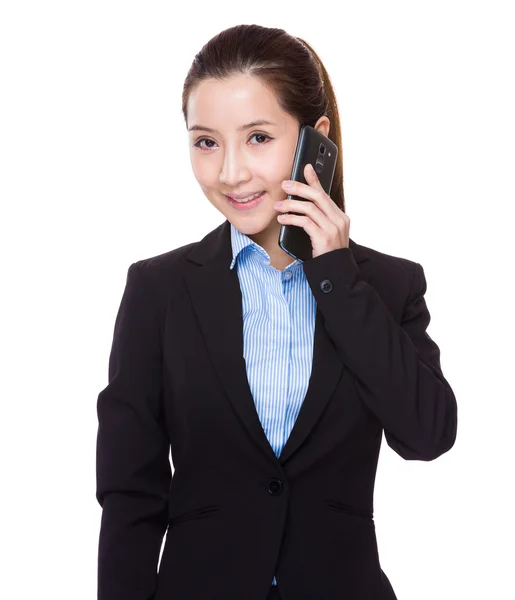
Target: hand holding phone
315,148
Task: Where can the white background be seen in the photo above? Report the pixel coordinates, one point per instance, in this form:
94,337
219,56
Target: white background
95,174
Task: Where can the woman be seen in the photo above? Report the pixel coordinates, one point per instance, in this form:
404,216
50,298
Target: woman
271,379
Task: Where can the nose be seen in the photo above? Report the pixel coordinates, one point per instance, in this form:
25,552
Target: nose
234,168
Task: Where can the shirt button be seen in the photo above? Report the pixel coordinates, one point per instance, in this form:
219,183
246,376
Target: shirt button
288,275
326,286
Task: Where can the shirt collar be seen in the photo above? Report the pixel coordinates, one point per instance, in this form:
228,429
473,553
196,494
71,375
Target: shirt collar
239,241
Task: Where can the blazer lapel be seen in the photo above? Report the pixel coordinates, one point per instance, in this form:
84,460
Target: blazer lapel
215,295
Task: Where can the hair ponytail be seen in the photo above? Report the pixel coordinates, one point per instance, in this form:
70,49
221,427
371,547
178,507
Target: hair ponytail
335,136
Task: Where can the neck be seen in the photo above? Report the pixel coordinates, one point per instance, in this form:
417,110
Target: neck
267,239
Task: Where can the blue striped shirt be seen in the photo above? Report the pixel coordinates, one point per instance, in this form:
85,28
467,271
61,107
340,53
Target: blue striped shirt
279,312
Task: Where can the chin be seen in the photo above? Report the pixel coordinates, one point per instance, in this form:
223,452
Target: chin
256,225
252,222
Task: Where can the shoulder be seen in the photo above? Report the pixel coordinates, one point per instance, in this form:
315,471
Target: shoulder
379,260
166,260
160,271
397,278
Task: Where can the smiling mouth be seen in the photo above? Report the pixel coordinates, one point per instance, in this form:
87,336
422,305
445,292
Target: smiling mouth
247,198
246,204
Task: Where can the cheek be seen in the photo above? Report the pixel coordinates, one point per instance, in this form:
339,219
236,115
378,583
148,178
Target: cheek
274,169
203,172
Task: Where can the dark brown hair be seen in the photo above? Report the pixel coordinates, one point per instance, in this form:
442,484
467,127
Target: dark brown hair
285,64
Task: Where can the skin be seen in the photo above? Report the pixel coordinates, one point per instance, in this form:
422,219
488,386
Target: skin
230,161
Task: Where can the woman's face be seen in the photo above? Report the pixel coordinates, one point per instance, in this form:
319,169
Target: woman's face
231,160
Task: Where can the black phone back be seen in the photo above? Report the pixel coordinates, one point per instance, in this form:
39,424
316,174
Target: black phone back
315,148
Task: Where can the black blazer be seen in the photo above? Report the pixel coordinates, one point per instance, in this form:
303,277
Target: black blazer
236,514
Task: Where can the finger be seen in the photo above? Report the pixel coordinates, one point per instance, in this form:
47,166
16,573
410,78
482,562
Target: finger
304,210
311,176
305,222
301,190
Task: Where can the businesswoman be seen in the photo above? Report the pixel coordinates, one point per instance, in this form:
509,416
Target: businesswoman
270,379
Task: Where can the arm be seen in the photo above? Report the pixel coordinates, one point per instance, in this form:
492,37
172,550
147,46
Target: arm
132,466
396,367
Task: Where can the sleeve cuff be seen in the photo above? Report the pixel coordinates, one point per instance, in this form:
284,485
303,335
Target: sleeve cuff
336,268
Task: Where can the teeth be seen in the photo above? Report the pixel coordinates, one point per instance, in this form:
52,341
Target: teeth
248,198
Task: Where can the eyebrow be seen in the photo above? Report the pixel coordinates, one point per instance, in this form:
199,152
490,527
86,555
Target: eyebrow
242,128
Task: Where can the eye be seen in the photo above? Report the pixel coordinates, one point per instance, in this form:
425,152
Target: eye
261,135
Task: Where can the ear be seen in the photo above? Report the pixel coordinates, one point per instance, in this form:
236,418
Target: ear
323,125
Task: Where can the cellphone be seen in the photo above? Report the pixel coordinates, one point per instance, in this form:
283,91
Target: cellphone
315,148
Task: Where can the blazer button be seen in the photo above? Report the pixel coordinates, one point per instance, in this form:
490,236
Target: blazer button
275,486
326,286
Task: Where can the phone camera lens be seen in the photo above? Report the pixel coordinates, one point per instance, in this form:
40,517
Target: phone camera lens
322,149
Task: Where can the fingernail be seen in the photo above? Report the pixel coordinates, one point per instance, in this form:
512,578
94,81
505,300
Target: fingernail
287,183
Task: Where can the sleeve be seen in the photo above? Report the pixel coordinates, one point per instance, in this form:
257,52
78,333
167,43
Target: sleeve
133,472
396,367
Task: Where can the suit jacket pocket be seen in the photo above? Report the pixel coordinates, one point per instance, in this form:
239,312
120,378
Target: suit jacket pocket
350,510
197,513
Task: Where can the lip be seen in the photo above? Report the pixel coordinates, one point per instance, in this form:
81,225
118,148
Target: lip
241,196
248,205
